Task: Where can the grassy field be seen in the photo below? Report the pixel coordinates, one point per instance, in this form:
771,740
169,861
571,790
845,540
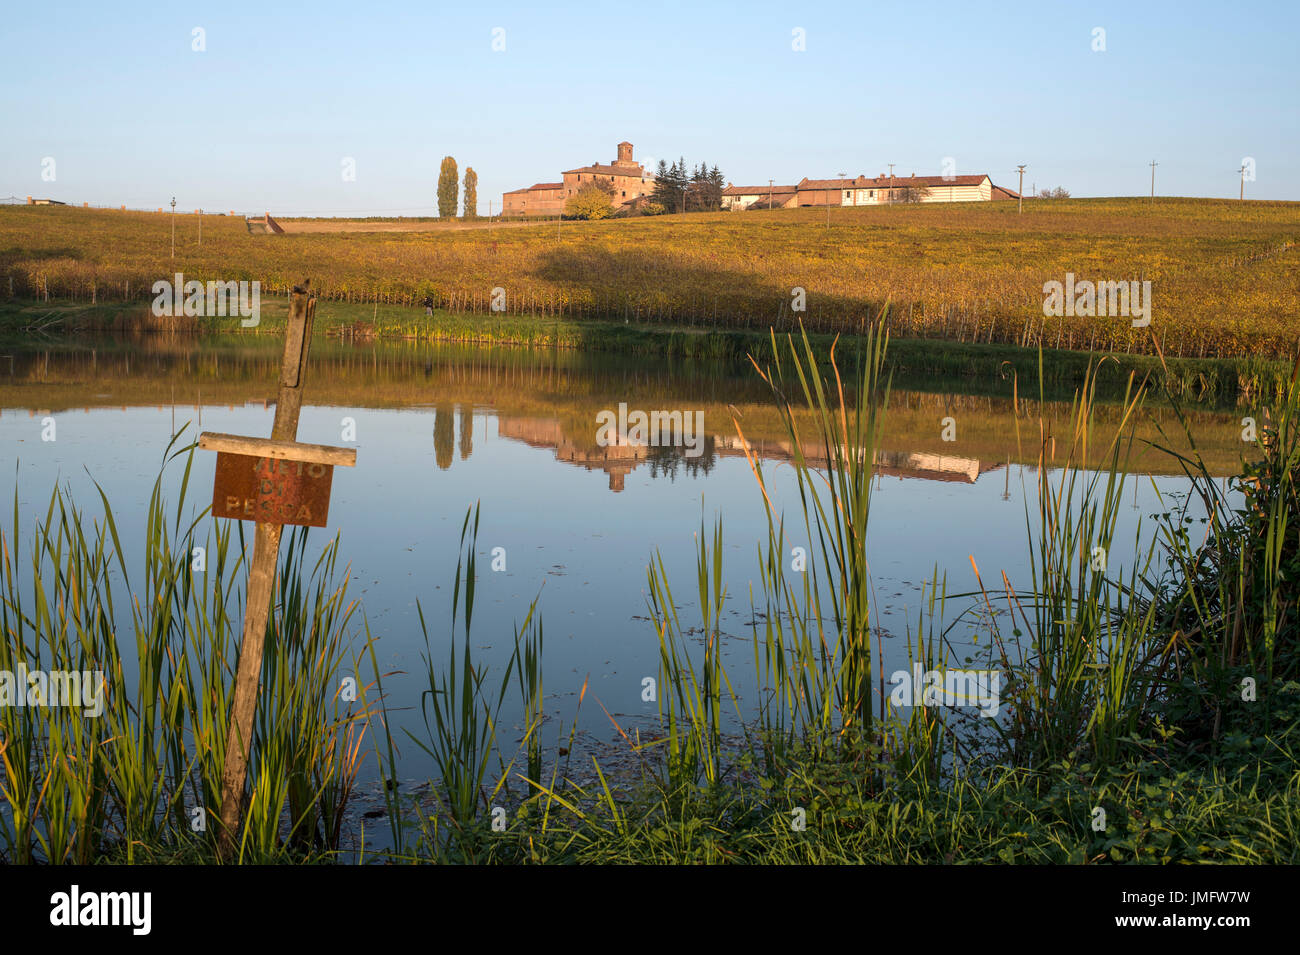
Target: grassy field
1224,274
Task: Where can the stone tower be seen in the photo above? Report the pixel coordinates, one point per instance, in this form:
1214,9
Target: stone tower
625,156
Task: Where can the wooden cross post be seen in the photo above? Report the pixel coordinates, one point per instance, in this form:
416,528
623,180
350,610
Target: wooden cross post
274,482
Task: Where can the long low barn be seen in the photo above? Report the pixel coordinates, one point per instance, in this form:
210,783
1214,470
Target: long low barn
539,199
865,191
758,197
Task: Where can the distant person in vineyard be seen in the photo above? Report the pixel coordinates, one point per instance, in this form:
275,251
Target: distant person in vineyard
428,306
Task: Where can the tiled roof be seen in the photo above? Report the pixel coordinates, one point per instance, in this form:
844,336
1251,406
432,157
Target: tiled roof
806,183
933,181
756,190
536,186
603,170
885,182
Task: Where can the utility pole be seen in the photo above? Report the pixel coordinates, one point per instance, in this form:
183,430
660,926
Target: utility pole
173,227
1153,181
200,228
891,183
1020,202
828,205
769,191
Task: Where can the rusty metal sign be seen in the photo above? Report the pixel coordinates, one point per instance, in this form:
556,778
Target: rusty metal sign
275,491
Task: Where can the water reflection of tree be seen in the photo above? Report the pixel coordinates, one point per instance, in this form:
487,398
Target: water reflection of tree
444,435
665,461
705,463
466,431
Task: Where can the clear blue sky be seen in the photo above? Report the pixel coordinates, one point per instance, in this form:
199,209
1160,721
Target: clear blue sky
263,118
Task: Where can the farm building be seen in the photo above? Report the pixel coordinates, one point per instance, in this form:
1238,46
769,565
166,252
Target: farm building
539,199
631,181
758,197
865,191
628,179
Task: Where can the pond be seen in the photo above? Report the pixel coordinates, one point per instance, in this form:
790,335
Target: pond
567,517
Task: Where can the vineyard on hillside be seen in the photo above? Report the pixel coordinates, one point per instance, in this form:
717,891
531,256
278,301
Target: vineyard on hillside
1225,275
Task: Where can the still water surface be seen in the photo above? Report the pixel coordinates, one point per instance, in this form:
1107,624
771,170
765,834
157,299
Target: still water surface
439,428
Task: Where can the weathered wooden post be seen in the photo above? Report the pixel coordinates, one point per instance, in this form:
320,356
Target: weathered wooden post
274,482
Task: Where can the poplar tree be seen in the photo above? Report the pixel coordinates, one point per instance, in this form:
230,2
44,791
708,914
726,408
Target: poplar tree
471,193
447,188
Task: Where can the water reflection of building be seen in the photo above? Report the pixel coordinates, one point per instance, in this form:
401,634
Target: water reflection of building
620,460
914,464
933,467
616,460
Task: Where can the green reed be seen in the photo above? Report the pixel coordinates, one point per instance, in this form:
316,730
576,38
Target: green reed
1080,649
829,687
693,718
1230,603
461,714
144,775
461,711
1074,667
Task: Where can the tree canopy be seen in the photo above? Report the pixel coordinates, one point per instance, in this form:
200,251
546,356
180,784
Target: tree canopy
911,193
699,190
591,201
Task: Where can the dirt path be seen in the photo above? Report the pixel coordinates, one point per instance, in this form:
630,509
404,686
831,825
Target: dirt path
358,225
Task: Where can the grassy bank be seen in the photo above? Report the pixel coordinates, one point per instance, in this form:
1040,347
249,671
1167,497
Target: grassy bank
1143,716
1242,808
1213,381
1222,272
